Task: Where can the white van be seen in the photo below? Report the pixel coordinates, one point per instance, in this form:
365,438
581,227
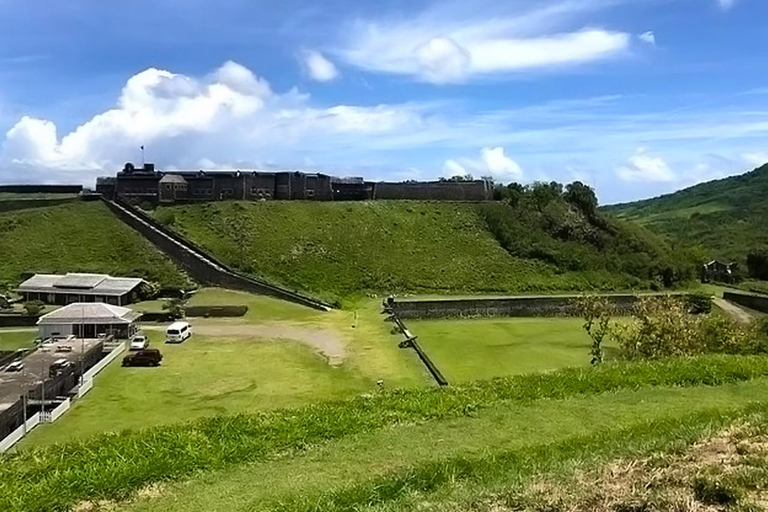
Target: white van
178,332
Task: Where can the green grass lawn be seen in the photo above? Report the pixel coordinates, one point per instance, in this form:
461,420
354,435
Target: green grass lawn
212,375
203,377
485,348
362,466
14,339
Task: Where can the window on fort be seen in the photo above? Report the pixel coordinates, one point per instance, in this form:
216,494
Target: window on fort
167,186
310,193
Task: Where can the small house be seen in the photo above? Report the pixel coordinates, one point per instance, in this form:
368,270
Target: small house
89,320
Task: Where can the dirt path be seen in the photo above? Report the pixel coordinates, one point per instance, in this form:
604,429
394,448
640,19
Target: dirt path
733,310
325,341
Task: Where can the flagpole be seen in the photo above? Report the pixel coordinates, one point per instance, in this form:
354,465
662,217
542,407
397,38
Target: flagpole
142,156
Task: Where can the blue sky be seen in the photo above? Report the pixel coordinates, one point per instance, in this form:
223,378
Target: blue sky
635,97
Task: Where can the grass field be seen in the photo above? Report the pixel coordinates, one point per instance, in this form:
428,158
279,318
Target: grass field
81,236
14,339
338,250
474,349
327,474
399,450
220,374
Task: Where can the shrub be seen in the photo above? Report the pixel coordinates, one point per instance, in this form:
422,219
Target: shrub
175,307
699,303
597,313
34,308
757,264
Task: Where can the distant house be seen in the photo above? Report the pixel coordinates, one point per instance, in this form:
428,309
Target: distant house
718,271
74,287
89,320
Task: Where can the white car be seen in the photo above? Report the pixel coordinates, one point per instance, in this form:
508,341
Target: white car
139,342
15,366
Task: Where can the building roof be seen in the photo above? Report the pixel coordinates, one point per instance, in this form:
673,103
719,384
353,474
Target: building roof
83,284
172,178
89,313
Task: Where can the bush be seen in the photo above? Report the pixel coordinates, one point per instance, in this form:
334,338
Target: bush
34,308
757,264
699,303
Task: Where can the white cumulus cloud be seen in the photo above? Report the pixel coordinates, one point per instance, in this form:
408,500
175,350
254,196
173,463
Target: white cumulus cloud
318,67
643,167
228,117
442,46
493,162
648,37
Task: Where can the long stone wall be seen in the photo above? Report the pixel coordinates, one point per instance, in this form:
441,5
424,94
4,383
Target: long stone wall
756,302
435,190
203,267
541,306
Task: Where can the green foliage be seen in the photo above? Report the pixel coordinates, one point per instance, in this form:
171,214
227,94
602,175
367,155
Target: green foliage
597,313
757,264
336,250
34,308
150,290
79,237
609,254
699,303
581,196
112,466
175,307
723,219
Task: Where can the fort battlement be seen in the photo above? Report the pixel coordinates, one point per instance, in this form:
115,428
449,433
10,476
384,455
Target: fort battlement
148,184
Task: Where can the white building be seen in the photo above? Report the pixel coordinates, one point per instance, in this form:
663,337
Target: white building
88,320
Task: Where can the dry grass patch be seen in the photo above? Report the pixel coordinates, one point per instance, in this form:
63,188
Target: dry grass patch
728,471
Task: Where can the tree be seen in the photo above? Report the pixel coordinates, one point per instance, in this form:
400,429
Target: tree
544,193
175,308
459,178
582,197
598,314
757,264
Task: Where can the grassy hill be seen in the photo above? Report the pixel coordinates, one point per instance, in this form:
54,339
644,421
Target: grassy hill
78,237
725,218
339,249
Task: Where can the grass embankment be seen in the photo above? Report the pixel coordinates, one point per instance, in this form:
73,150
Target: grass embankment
78,237
725,218
340,249
235,367
14,339
485,348
113,466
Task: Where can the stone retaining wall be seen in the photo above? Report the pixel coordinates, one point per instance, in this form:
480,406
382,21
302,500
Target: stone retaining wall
542,306
756,302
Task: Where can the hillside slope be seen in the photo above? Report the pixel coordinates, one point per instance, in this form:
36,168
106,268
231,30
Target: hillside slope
339,249
725,218
78,237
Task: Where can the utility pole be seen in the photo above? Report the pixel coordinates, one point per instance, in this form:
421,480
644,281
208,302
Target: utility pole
142,156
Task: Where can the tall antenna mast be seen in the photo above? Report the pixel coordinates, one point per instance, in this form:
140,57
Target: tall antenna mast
142,156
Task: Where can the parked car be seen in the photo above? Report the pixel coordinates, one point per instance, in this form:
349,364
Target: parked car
178,332
15,366
145,357
63,348
59,366
139,342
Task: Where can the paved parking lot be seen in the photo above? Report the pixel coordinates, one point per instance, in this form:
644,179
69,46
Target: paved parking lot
36,365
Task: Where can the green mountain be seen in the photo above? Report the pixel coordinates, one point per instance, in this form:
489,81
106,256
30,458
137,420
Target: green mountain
724,218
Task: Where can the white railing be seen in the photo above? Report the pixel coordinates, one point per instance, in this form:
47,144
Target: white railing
58,411
84,388
104,362
15,436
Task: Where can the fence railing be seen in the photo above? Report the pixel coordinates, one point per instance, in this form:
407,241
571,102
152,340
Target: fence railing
95,369
84,388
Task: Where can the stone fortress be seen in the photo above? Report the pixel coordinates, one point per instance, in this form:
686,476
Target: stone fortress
149,184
